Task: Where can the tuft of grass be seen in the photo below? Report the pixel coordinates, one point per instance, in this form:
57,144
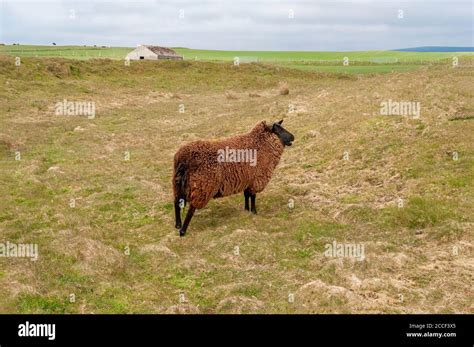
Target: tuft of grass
283,88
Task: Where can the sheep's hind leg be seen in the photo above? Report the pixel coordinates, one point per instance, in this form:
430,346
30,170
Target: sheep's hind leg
177,213
247,196
189,215
253,208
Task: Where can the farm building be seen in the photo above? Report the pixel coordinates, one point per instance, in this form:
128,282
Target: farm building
148,52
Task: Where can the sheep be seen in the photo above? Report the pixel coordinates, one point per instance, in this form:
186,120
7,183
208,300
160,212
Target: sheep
204,170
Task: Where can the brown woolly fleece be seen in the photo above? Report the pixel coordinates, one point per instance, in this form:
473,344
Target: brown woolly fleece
198,175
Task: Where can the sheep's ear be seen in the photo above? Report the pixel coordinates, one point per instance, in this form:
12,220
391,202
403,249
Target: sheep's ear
274,128
280,122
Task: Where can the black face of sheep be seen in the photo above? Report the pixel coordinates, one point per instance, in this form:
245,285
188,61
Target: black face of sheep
285,136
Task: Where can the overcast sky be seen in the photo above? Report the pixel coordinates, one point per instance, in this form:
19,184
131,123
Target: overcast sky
241,24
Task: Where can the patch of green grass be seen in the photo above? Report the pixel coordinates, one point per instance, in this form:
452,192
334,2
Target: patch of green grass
112,301
168,207
305,56
249,291
357,69
350,199
460,181
418,213
72,278
308,234
182,280
333,301
304,253
28,303
328,228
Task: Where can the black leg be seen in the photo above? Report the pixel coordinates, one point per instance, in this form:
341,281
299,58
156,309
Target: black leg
189,215
252,203
177,213
247,196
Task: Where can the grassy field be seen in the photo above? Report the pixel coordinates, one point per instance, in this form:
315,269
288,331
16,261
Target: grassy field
360,62
356,69
400,186
70,52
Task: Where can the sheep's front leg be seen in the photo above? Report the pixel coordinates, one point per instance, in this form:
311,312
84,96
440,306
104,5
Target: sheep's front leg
252,203
189,215
177,214
247,196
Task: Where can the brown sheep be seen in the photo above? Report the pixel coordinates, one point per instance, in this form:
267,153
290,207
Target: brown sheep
204,170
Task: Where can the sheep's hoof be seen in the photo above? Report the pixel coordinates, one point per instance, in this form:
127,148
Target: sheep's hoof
182,233
254,211
178,226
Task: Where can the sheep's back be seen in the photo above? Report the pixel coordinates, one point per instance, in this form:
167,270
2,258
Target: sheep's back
219,178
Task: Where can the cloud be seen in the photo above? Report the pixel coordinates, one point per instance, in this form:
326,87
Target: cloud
241,25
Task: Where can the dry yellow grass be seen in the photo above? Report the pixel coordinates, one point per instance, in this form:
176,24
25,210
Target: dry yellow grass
117,250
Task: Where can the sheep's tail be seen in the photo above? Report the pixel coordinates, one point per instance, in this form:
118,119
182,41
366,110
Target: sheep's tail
180,181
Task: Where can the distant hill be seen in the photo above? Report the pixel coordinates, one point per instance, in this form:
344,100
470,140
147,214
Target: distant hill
436,49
